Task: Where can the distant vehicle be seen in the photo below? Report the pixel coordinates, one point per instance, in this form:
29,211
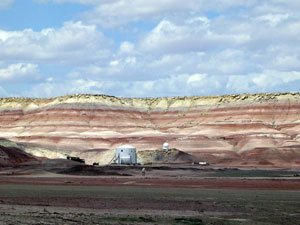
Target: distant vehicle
95,164
77,159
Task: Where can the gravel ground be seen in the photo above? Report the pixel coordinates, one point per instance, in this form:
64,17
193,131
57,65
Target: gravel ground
20,214
69,204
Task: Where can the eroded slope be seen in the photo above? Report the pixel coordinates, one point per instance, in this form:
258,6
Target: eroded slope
258,129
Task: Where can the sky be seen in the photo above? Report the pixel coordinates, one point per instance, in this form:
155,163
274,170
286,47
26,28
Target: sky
148,48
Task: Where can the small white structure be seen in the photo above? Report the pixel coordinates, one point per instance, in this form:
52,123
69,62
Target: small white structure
166,146
125,154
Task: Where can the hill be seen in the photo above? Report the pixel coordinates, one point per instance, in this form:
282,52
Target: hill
250,130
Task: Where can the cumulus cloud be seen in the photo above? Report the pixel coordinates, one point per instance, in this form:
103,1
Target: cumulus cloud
142,67
58,87
117,88
266,81
273,19
64,87
287,62
127,48
193,35
120,12
195,79
20,72
74,43
274,78
173,85
164,48
290,4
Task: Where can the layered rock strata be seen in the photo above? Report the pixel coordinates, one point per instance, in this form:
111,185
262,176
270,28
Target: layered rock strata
257,129
11,156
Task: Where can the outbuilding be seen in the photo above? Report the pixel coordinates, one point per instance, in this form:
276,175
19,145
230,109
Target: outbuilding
166,146
125,154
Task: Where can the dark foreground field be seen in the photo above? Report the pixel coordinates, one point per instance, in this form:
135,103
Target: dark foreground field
74,194
72,204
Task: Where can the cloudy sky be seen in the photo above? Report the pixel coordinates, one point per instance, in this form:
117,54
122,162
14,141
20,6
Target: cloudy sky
148,48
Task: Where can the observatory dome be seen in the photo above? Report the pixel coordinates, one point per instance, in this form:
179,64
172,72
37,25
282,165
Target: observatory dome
166,146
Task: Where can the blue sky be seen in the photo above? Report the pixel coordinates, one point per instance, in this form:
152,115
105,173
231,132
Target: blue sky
28,14
148,48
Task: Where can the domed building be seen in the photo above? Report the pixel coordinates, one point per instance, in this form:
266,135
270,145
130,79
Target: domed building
166,146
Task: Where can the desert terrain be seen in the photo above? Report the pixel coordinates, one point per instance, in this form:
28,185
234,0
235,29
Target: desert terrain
232,130
251,143
60,191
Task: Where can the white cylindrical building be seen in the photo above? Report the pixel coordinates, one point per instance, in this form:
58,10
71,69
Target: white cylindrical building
125,154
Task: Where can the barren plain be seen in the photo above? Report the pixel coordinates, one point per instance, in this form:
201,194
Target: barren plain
166,195
252,143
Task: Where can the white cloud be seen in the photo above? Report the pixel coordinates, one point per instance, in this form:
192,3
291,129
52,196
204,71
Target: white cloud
195,79
20,72
118,88
127,48
74,43
274,78
291,4
176,47
151,67
53,88
120,12
168,37
287,62
5,3
221,55
173,85
267,81
273,19
114,63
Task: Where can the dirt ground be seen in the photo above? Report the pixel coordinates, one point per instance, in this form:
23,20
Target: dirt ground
166,195
191,183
